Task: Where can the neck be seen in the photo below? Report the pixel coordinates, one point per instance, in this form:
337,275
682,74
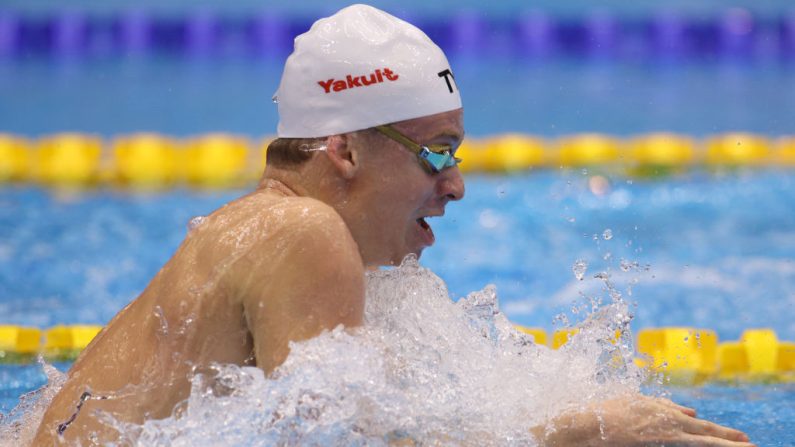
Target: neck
312,179
276,185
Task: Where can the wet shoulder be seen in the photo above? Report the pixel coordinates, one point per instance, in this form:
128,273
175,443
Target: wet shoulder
306,240
267,226
304,215
308,228
261,217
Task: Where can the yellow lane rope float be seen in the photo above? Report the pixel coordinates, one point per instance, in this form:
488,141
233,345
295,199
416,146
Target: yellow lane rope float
785,152
738,149
588,150
146,161
68,159
682,355
218,160
14,157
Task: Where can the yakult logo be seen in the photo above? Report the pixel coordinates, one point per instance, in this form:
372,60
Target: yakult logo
350,81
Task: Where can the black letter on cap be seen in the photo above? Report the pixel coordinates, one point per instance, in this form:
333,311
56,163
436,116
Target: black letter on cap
444,74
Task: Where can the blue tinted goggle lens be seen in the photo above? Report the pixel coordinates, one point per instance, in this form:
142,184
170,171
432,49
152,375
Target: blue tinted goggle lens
438,160
435,157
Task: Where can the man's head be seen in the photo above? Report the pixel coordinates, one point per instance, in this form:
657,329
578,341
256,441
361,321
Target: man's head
360,68
349,76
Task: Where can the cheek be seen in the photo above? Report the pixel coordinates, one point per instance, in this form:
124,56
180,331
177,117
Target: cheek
403,186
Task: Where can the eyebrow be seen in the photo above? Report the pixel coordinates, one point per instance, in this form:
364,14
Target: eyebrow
449,135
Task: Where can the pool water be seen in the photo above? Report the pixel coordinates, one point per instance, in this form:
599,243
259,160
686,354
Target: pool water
767,410
711,250
702,249
555,97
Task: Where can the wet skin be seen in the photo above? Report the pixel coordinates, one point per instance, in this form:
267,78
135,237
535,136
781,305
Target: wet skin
281,264
287,262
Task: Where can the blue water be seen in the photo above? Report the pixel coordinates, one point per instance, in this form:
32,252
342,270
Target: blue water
764,412
185,97
713,250
705,249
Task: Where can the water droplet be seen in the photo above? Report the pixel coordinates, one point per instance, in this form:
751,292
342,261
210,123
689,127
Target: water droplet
628,265
607,256
571,220
195,222
608,234
579,269
489,219
162,329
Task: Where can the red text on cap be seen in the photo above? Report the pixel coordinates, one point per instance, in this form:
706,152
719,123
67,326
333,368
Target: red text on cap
376,77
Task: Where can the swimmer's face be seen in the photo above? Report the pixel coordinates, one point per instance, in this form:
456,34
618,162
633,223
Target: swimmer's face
401,194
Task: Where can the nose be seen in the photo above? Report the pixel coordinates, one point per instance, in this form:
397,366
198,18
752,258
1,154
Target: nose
451,184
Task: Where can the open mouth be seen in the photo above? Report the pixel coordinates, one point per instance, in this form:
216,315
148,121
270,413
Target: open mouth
423,223
426,228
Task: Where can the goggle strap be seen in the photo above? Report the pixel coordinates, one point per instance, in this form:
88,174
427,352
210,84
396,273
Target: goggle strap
422,151
397,136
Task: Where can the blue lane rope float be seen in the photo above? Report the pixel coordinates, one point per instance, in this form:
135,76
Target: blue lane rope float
149,160
734,33
684,356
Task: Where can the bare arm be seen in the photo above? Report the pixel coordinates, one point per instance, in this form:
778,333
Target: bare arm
637,421
315,282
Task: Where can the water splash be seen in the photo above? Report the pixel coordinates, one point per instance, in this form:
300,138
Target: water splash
423,369
19,426
579,268
196,222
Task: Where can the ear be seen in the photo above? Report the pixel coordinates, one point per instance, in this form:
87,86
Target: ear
343,155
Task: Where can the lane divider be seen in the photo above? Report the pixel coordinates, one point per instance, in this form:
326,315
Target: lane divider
218,160
732,33
685,356
20,344
691,356
66,342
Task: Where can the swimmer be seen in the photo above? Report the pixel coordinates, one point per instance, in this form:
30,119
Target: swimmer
370,120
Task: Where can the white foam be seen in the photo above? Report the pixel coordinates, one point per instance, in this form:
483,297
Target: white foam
422,368
19,427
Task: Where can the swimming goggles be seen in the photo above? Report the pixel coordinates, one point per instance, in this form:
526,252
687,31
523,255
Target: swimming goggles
434,157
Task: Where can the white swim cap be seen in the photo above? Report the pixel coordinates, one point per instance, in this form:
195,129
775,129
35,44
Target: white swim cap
361,68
